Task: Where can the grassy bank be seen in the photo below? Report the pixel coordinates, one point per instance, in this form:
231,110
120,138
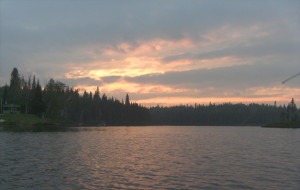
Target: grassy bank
27,122
283,124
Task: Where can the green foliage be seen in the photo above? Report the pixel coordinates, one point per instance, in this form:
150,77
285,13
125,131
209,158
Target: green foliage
24,119
28,123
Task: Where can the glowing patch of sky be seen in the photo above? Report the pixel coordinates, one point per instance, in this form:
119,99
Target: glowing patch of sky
157,49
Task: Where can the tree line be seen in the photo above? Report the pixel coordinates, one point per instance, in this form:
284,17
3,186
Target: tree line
58,101
227,114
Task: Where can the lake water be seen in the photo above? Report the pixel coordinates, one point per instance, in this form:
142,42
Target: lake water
166,157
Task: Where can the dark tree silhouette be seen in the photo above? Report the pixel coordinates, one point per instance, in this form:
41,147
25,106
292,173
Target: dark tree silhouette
60,102
38,105
15,79
127,101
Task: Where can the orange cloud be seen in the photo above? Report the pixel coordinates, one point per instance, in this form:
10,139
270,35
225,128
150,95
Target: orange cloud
280,94
129,66
124,86
87,88
167,96
145,57
279,91
120,88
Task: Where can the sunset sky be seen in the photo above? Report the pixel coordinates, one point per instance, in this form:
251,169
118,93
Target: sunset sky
161,51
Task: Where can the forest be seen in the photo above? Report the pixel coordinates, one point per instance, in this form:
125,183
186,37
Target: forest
59,102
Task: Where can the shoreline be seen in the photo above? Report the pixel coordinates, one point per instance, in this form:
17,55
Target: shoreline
283,124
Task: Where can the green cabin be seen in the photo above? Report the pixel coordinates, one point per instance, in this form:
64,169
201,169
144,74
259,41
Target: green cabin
11,109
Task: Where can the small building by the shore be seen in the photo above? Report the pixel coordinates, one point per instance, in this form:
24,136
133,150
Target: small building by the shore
11,109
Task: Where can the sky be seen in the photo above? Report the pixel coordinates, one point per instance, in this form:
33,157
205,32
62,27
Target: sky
160,52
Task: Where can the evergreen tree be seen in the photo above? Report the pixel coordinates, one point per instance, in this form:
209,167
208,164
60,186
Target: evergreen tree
14,95
5,95
127,101
38,105
33,86
56,98
96,106
15,79
291,111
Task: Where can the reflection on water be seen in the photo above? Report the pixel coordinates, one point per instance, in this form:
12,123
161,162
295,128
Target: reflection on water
152,158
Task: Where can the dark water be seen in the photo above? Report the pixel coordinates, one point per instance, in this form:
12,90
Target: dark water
152,158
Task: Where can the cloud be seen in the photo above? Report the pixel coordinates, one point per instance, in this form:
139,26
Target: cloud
62,24
261,47
81,82
111,79
179,47
240,52
233,77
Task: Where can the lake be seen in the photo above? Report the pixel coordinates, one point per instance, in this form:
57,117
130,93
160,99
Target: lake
160,157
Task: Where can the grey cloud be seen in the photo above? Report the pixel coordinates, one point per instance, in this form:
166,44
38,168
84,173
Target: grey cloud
81,81
70,23
227,78
110,79
89,81
46,34
257,50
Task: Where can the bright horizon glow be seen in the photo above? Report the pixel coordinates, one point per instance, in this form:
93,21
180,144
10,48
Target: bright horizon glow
136,89
157,51
173,101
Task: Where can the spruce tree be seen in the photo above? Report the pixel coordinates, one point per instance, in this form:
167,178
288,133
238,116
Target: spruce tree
5,95
38,105
14,94
127,101
15,81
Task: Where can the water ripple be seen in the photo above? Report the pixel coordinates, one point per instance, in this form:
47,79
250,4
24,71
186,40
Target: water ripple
152,158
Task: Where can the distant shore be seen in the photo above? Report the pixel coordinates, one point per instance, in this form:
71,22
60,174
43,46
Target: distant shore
32,123
283,124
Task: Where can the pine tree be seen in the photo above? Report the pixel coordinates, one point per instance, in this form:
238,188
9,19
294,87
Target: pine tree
14,95
33,85
5,95
292,111
15,81
38,105
127,101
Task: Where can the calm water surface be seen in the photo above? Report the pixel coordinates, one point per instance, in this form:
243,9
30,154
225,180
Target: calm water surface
152,158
